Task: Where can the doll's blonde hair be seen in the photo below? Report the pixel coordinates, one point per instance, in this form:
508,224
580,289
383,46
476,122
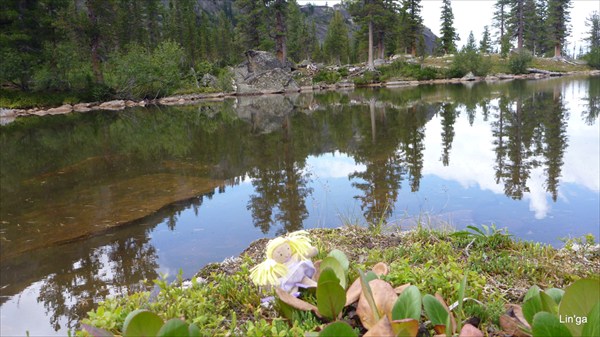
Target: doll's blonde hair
270,271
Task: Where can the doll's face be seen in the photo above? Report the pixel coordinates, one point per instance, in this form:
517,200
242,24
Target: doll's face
282,253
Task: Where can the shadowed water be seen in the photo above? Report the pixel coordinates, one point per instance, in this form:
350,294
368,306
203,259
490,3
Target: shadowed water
94,203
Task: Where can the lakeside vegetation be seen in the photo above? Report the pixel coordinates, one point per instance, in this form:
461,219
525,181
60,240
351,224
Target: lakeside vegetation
62,52
498,270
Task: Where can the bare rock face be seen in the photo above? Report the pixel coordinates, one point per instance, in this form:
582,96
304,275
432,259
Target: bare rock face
263,73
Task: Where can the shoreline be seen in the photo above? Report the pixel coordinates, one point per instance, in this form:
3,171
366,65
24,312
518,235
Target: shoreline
8,115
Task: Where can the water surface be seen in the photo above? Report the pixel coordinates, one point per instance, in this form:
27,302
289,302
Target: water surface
91,204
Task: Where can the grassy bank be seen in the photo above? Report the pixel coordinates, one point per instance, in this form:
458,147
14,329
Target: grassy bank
499,270
147,87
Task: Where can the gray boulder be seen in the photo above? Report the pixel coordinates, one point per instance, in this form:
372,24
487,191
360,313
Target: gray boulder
263,73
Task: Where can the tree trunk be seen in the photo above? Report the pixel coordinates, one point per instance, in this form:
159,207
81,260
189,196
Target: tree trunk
380,46
557,48
370,64
94,45
280,34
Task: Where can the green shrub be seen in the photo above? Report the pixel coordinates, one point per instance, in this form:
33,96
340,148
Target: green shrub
139,73
593,58
407,70
368,77
343,72
519,61
466,61
329,77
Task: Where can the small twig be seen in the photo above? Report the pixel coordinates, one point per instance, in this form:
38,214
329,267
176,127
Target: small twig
469,246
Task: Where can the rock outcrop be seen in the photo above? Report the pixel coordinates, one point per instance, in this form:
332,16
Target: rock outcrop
263,73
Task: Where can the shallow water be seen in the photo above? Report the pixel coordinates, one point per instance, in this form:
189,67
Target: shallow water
91,204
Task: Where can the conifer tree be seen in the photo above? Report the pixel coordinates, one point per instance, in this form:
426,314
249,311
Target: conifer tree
516,21
367,12
485,43
593,22
558,23
500,21
413,22
336,45
447,31
251,22
296,31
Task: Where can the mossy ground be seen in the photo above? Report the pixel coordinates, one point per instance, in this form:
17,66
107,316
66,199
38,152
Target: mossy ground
499,270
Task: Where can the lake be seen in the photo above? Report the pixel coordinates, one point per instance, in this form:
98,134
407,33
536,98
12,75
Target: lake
94,203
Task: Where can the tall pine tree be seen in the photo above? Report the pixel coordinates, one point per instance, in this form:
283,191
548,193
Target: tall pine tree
447,30
336,45
558,23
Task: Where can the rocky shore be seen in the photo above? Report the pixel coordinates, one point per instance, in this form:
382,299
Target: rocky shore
261,75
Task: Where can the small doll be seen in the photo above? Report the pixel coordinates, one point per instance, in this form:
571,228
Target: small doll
288,263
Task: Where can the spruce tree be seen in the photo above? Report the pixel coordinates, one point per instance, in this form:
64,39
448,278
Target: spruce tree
336,45
558,23
447,31
367,12
500,22
485,43
516,21
413,22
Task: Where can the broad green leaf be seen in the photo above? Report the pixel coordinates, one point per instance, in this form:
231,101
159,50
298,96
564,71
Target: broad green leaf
96,332
545,324
338,329
366,289
556,294
533,291
334,264
174,327
331,297
434,310
579,299
141,323
592,327
408,305
370,276
548,303
407,327
532,303
341,257
194,331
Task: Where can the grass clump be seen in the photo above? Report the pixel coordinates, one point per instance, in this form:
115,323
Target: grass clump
402,69
327,76
498,270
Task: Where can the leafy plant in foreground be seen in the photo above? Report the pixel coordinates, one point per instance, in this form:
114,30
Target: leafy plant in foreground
148,324
554,312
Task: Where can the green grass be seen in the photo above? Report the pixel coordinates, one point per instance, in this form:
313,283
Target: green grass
499,270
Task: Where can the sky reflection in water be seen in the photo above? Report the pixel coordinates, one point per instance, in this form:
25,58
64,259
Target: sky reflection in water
438,161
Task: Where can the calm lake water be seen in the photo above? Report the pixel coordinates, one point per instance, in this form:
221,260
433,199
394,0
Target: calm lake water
91,204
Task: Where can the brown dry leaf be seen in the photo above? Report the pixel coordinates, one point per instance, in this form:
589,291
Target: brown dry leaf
441,299
470,331
381,269
510,325
384,297
440,329
401,288
383,328
353,293
515,311
317,273
296,302
405,327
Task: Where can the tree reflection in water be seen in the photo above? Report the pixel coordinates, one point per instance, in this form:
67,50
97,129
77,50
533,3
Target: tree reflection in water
268,140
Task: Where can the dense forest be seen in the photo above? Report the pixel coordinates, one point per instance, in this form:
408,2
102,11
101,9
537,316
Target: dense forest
99,49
